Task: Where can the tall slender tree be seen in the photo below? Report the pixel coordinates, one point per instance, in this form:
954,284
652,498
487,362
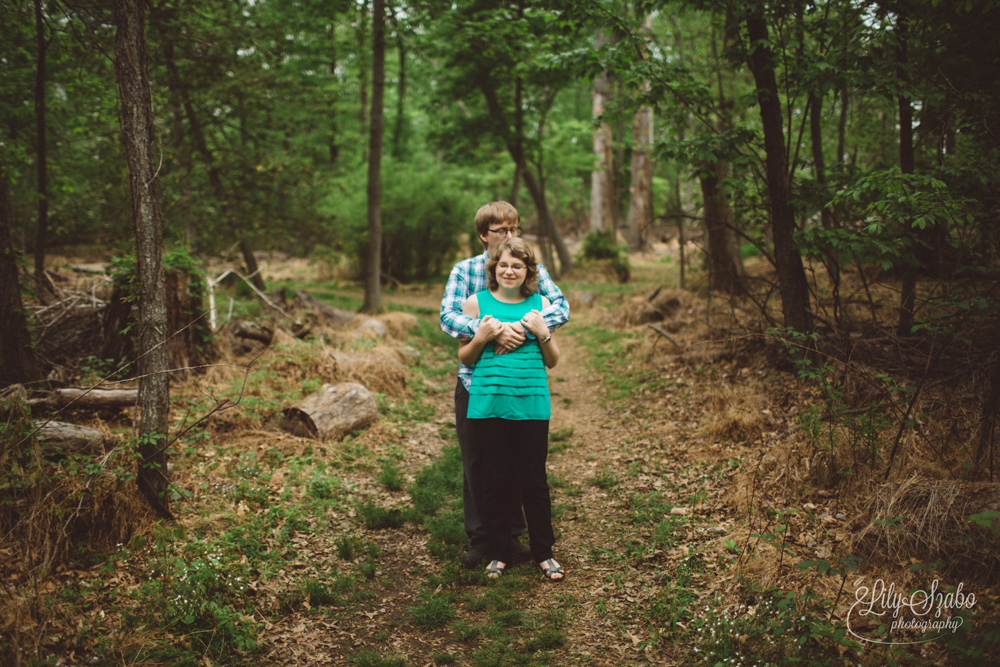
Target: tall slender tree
373,264
791,274
41,160
17,358
602,195
138,133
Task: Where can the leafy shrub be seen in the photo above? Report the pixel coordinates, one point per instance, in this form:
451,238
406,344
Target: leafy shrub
424,210
603,246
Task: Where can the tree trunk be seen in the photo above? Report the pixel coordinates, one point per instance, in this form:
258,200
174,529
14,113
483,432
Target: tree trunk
907,163
640,207
214,177
18,364
397,131
831,258
183,160
793,286
601,181
334,130
138,133
373,268
363,68
845,106
535,189
725,262
41,164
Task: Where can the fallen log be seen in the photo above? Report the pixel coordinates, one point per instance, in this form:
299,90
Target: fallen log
93,399
330,413
59,439
336,316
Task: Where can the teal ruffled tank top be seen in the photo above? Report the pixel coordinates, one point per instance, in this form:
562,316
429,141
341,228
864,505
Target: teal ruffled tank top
513,385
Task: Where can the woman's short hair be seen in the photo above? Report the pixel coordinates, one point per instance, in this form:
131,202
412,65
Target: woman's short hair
520,249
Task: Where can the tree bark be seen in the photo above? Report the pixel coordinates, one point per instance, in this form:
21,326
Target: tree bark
516,150
373,268
397,130
601,181
334,130
725,262
214,177
907,163
41,164
18,364
793,286
136,114
640,207
363,68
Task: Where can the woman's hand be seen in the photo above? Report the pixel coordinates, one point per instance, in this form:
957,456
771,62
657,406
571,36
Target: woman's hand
489,328
535,323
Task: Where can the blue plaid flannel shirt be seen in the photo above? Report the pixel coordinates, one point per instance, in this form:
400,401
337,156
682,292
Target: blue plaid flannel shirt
468,277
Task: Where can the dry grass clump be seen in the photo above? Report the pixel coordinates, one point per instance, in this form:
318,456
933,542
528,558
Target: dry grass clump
739,411
45,521
929,520
660,306
379,373
398,325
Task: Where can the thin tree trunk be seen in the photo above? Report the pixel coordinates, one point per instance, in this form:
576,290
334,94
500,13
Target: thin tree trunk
845,105
793,287
601,178
183,153
640,207
17,358
41,164
397,131
334,130
373,274
138,131
725,262
214,177
363,69
907,163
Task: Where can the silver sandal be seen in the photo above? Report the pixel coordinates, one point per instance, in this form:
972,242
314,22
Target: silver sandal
495,569
550,570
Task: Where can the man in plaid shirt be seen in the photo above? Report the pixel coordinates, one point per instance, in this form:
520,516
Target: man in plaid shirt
494,222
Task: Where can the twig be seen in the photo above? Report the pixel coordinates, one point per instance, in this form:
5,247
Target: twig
666,335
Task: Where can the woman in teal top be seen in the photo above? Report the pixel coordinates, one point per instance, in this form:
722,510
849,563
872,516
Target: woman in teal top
509,408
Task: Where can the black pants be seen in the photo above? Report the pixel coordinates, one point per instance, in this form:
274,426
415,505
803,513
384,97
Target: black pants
509,471
474,528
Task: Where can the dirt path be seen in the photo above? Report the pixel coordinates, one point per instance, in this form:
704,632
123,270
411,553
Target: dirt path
607,456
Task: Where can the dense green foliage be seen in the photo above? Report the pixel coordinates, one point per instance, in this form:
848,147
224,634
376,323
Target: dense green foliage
262,115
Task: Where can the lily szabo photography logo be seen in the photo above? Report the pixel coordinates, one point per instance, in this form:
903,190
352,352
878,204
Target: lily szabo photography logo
906,618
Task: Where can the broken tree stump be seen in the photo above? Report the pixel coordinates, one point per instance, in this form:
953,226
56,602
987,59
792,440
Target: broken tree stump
330,413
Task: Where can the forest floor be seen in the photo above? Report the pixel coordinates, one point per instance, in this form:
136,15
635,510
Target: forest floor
687,517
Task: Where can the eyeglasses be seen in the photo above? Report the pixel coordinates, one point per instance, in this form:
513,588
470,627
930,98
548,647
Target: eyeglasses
503,231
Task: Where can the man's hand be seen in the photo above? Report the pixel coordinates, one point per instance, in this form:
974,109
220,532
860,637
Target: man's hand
510,338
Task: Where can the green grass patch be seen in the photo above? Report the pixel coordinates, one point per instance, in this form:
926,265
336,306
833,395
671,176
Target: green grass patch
433,612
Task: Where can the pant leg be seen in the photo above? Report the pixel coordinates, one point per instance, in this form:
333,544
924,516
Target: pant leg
475,531
530,451
493,484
